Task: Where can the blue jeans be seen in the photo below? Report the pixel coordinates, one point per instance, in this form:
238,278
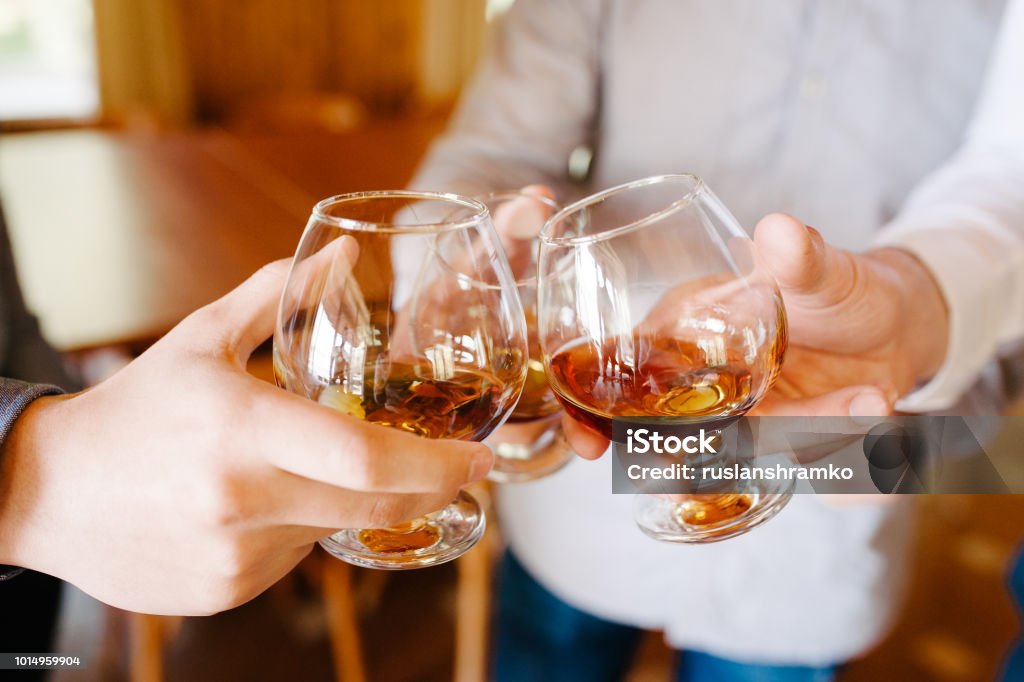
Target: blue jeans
540,638
1013,667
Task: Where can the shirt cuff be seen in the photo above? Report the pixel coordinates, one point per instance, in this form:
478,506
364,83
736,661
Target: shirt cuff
15,396
963,265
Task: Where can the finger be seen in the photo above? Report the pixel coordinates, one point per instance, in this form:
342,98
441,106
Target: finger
518,219
817,427
850,402
809,272
318,509
244,318
316,442
587,443
539,191
521,218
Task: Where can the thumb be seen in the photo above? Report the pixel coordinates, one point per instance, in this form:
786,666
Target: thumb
244,318
809,272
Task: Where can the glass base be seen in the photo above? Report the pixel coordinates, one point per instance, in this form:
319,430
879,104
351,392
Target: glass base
698,519
427,541
522,462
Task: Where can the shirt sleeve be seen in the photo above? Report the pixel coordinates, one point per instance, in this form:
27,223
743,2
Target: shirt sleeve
965,222
531,102
24,353
15,396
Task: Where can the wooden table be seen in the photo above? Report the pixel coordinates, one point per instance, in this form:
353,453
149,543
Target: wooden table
118,236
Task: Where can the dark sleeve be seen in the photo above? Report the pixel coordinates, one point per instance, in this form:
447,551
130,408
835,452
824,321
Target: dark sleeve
15,396
24,355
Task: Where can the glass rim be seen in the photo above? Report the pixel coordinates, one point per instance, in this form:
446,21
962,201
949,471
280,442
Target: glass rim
517,194
431,227
685,200
511,195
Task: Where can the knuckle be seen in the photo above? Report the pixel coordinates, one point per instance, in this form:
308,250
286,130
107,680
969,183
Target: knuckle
461,468
223,501
205,319
386,510
389,510
213,596
425,504
227,593
273,270
230,412
229,567
232,558
360,470
227,410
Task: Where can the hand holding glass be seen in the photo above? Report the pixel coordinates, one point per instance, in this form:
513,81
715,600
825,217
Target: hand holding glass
651,304
415,326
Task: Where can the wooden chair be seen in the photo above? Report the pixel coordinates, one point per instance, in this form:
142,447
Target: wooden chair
473,599
472,608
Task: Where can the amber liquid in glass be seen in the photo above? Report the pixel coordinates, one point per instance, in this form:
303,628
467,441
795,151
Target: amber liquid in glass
670,378
537,400
660,377
464,405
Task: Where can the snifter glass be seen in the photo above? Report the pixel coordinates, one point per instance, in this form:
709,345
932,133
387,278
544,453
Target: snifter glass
652,305
532,445
419,328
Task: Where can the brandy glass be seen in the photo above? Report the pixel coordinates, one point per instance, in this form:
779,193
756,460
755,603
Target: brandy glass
652,304
532,444
400,309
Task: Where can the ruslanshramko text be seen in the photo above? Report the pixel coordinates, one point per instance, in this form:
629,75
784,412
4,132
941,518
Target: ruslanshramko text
645,441
735,472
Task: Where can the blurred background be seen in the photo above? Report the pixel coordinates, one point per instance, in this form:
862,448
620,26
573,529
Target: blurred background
155,153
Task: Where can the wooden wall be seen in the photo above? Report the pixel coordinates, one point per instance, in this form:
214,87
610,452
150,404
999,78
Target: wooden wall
245,48
386,53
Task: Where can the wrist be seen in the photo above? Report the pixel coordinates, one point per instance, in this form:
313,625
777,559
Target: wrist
924,333
22,489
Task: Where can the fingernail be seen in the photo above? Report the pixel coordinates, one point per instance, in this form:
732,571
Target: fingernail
483,460
869,404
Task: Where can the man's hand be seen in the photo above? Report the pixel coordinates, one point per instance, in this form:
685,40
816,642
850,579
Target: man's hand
183,485
874,319
863,328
